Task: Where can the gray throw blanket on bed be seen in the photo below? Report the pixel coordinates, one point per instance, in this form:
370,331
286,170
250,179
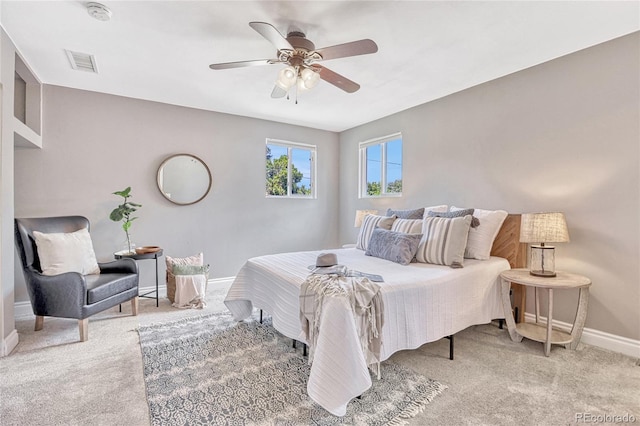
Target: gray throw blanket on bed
365,301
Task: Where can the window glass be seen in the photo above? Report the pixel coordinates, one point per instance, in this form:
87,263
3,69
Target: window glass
394,166
381,167
301,171
290,169
374,169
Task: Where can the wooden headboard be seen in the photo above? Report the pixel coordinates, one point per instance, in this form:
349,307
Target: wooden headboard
507,243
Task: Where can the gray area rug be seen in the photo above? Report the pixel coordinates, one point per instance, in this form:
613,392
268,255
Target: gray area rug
212,370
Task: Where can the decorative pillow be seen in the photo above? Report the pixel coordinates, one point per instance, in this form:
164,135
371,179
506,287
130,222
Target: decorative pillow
196,260
397,247
407,214
369,223
72,252
458,213
443,208
444,240
407,226
190,270
481,238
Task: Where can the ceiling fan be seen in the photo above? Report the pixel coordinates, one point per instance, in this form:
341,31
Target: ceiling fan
301,57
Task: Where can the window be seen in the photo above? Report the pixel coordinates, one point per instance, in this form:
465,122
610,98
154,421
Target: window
381,167
291,169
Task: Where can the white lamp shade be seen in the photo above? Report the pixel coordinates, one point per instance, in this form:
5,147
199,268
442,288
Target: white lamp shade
543,228
286,78
308,79
360,215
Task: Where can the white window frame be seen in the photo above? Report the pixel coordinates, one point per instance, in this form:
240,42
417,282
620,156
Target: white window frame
362,181
290,146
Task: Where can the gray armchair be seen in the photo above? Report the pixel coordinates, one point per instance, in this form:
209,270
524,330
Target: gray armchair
72,295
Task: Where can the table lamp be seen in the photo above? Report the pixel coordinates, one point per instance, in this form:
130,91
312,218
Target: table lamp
360,214
543,228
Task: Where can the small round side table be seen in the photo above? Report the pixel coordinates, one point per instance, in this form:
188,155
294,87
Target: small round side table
537,331
155,255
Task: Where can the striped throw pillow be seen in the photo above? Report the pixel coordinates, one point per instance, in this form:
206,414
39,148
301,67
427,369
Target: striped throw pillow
444,240
369,223
407,226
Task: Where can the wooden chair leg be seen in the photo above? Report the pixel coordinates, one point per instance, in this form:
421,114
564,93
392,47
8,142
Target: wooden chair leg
39,322
83,325
134,306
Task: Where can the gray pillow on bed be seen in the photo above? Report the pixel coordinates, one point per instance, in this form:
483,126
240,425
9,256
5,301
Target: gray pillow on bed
458,213
397,247
407,214
369,223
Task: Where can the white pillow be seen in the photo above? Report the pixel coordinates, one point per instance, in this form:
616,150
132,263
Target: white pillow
72,252
369,223
443,208
481,237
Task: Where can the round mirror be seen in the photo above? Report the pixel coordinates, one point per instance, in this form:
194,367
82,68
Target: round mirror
184,179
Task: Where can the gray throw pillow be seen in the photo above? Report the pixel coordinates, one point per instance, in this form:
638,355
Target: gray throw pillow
394,246
475,222
407,214
444,240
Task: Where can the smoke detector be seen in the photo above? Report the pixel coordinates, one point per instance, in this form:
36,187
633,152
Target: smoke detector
99,11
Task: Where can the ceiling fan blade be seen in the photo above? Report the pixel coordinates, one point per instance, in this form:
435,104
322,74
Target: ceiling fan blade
278,92
241,64
354,48
336,79
270,32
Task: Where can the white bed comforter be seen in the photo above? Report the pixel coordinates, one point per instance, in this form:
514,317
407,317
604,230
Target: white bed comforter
422,303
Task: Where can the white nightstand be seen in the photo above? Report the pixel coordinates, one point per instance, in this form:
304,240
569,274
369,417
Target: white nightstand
537,331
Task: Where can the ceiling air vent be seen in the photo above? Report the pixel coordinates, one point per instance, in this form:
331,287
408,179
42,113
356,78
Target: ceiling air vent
82,61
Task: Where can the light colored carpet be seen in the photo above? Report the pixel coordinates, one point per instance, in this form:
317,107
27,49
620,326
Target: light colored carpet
52,379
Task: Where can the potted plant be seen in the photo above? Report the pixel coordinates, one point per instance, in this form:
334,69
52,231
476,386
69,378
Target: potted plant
123,213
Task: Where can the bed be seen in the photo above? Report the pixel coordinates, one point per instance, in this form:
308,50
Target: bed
422,303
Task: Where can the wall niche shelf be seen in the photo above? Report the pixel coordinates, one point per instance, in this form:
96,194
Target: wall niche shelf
27,112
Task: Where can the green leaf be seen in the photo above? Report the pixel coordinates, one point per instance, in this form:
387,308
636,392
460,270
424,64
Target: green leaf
124,193
116,215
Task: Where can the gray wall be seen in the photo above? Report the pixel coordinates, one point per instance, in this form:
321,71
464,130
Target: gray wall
95,144
561,136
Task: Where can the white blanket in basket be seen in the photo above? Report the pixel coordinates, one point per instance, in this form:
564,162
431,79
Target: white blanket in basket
190,291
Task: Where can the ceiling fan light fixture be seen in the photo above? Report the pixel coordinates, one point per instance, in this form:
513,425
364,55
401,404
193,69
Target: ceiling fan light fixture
287,77
308,79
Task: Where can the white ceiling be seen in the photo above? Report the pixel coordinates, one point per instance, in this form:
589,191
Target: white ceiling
161,50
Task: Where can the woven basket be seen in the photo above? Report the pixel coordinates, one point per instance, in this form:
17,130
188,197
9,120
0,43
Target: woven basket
171,279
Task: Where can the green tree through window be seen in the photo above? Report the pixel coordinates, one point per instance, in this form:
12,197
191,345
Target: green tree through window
280,161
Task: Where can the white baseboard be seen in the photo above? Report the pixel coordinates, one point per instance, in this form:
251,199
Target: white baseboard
9,343
23,310
597,338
